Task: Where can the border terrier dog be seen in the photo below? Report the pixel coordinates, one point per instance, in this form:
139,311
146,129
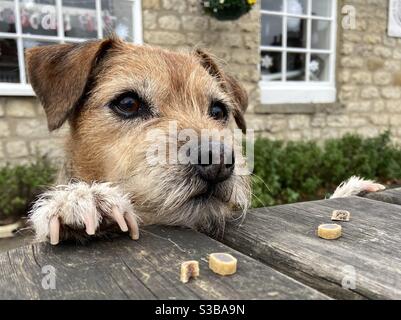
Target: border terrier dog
113,94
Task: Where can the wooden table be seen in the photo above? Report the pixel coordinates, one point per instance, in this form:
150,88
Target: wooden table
279,257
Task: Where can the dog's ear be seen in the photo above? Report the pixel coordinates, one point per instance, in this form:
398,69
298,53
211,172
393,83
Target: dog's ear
229,84
59,75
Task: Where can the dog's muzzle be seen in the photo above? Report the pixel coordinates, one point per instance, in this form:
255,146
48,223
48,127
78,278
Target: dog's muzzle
215,163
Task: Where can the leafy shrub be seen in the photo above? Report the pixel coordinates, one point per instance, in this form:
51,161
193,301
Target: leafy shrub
19,185
298,171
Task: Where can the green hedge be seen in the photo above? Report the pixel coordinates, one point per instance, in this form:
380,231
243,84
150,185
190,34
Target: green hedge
19,185
298,171
284,172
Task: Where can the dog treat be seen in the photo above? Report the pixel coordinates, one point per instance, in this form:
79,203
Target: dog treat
189,269
329,231
222,263
340,215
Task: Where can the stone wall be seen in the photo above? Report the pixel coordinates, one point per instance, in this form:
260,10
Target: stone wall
23,131
369,75
368,78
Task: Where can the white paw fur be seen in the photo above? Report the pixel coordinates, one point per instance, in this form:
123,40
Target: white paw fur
81,206
354,186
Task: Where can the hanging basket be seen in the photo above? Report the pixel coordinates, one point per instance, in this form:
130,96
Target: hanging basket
227,9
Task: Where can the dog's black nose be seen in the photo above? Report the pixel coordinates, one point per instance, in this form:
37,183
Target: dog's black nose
216,163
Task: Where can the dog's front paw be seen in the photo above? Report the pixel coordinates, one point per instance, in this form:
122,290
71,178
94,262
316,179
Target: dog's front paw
355,186
82,207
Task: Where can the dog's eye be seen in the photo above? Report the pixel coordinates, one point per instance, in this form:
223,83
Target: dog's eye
128,105
218,111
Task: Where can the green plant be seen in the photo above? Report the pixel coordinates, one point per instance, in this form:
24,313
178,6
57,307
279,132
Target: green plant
298,171
20,184
227,9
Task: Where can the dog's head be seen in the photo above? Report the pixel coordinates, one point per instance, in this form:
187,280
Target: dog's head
121,100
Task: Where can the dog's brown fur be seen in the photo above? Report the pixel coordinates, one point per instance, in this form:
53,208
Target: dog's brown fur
77,82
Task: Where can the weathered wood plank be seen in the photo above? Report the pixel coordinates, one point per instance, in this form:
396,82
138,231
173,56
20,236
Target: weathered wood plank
284,237
390,196
144,269
21,238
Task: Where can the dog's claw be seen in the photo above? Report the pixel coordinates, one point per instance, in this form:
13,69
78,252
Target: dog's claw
89,220
132,225
119,218
375,187
54,226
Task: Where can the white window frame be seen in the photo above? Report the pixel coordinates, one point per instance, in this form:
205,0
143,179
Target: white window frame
23,88
294,92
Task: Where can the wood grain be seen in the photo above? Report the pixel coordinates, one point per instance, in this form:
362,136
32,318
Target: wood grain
284,237
390,196
144,269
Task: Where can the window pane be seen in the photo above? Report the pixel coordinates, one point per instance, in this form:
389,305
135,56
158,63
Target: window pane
295,67
297,6
39,17
296,32
272,5
319,67
9,70
321,8
270,64
117,17
7,16
272,30
80,19
320,34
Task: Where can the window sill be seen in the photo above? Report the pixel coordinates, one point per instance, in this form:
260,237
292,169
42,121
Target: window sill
302,108
296,93
16,89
